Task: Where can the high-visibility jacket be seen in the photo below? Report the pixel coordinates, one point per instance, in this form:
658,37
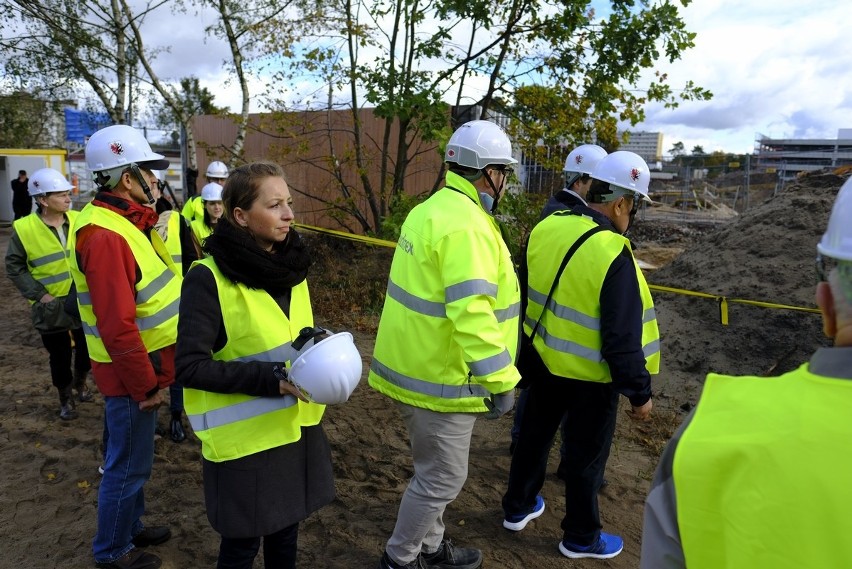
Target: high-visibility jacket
569,338
157,292
234,425
448,335
759,477
201,230
46,257
173,240
193,209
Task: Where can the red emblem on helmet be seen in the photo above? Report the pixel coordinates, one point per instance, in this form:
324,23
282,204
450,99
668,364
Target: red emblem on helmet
634,174
37,184
578,158
116,148
451,153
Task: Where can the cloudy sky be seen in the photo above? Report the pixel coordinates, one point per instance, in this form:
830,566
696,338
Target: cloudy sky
780,68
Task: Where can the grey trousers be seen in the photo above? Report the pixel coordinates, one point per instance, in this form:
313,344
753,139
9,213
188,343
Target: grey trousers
440,444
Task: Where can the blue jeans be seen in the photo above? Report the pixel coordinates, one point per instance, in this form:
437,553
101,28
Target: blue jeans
127,466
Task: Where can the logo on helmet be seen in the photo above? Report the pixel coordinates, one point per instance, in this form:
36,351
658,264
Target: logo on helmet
451,153
116,148
36,183
634,174
578,158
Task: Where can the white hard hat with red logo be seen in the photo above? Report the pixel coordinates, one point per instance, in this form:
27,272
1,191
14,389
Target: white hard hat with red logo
584,158
477,144
625,171
46,181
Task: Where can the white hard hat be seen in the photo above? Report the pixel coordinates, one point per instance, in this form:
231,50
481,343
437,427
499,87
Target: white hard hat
477,144
584,158
212,192
625,170
119,146
217,170
836,242
328,371
47,180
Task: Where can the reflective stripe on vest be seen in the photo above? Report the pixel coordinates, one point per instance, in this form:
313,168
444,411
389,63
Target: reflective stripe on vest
233,425
46,257
761,473
157,291
449,328
569,336
173,241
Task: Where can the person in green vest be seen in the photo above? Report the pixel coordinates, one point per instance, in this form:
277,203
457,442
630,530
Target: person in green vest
265,457
37,263
594,330
447,339
211,198
757,476
217,173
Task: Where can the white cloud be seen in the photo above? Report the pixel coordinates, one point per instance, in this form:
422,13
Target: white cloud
780,69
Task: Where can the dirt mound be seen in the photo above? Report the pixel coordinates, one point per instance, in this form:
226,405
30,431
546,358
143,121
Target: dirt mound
767,254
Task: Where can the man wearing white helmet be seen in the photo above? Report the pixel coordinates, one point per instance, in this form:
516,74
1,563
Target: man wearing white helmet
447,339
217,173
128,291
37,262
579,166
594,330
757,475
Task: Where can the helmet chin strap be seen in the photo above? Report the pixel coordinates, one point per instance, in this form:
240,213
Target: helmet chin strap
497,192
137,173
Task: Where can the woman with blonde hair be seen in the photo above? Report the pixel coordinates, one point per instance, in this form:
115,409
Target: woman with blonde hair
266,460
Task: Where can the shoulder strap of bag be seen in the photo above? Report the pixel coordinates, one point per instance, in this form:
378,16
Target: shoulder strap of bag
573,249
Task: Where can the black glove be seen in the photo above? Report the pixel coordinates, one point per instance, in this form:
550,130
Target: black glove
499,404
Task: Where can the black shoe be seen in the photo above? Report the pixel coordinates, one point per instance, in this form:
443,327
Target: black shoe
67,412
177,433
449,556
136,559
387,563
152,536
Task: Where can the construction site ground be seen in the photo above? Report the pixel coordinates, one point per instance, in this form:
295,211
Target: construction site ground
49,483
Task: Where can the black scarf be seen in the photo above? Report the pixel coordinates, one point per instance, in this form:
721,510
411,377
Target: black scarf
242,260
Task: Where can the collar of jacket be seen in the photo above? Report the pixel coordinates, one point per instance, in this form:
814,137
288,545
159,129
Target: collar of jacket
142,217
458,183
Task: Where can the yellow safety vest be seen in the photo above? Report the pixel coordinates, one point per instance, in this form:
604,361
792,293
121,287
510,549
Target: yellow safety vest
234,425
47,259
157,292
193,209
173,239
201,230
448,335
569,336
759,484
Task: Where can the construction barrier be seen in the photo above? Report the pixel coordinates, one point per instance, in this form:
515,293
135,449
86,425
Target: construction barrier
723,301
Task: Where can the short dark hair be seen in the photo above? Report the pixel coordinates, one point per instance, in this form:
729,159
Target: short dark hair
22,172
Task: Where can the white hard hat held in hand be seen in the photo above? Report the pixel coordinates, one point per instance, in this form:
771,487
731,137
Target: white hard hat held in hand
328,371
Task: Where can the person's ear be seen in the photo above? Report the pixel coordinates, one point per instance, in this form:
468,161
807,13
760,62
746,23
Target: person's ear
825,301
240,217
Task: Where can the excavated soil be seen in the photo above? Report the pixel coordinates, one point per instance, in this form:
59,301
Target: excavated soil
48,486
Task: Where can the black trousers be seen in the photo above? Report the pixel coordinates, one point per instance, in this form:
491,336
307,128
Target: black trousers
58,345
590,410
279,550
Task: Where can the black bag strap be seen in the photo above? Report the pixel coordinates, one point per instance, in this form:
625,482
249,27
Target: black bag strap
573,249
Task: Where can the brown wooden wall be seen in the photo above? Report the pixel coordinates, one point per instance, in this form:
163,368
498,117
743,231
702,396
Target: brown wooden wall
303,144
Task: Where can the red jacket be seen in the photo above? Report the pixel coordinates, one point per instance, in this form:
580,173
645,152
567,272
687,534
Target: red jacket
111,275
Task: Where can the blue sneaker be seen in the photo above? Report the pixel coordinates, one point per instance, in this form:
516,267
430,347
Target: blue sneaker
519,521
607,546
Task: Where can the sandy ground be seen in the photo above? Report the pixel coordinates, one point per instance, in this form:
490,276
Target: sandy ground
49,479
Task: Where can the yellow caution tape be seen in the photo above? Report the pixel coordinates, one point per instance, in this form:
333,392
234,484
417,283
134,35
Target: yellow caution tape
722,300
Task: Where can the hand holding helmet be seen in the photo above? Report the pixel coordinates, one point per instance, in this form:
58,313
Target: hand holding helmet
327,372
